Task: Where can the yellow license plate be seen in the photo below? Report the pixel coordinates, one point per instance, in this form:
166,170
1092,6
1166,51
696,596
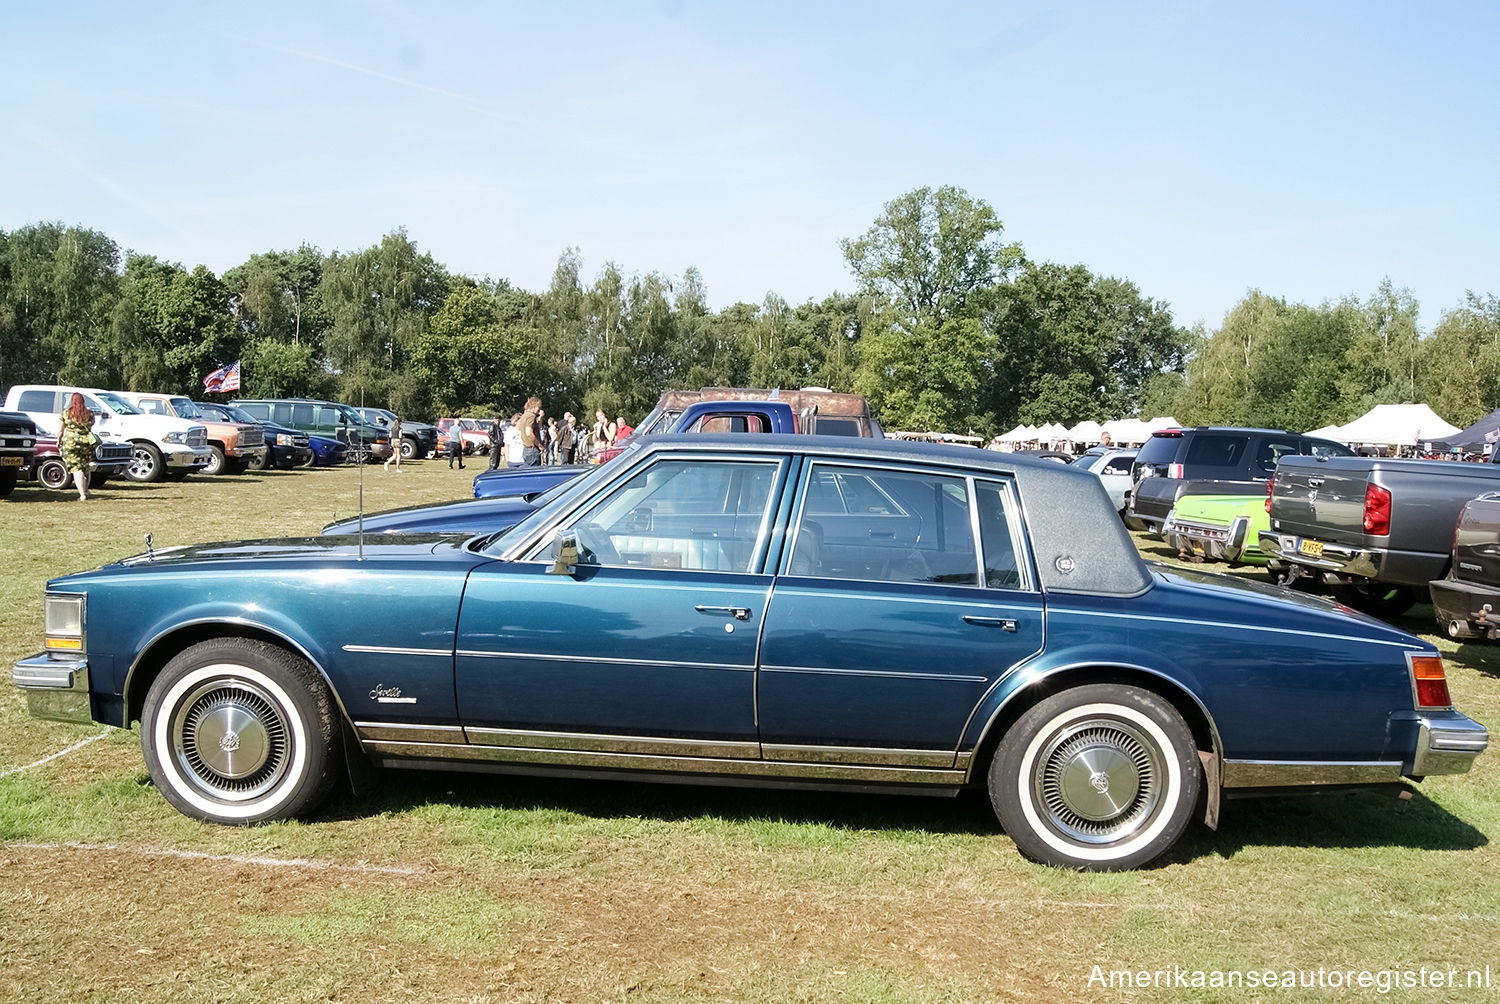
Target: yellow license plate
1312,548
12,461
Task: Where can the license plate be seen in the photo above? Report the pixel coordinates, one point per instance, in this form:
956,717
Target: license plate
12,461
1311,548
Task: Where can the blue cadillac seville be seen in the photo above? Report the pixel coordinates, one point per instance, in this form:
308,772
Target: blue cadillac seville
823,611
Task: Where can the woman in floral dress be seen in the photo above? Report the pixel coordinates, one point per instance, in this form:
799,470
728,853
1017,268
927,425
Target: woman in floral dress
76,442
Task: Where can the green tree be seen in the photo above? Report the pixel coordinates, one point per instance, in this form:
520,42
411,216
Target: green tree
171,326
58,289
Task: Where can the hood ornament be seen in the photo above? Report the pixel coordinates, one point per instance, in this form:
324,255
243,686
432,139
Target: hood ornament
150,554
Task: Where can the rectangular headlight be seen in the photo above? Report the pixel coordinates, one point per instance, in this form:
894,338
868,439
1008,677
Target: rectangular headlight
63,623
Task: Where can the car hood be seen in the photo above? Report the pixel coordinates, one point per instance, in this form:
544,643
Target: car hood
468,517
309,549
1220,595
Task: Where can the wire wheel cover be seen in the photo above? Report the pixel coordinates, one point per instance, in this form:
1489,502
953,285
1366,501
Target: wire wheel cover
231,739
1099,780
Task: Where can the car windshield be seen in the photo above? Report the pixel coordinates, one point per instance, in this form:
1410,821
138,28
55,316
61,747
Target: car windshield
118,404
186,408
1088,460
234,414
556,498
466,423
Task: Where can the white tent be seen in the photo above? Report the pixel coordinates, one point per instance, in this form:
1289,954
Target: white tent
1162,422
1052,432
1085,432
1396,425
1015,435
1127,430
1333,432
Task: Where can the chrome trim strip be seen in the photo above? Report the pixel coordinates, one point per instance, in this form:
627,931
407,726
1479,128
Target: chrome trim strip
404,732
1054,608
858,755
680,764
823,671
630,745
1286,773
551,657
394,650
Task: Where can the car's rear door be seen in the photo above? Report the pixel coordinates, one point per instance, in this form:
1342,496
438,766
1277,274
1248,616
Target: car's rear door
881,659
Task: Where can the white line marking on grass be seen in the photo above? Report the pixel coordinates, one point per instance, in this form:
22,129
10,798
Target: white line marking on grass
48,759
241,859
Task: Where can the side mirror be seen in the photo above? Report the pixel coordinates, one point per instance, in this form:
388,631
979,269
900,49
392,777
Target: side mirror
565,547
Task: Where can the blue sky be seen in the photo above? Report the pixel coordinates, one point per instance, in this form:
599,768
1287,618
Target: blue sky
1306,149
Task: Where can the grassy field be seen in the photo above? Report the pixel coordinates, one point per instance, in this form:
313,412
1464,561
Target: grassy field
443,887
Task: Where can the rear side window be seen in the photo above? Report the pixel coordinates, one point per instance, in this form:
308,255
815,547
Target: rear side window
1117,465
1159,450
1270,451
38,400
260,411
1213,449
302,416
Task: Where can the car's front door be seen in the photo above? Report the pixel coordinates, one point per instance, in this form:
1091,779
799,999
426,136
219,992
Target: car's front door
888,624
649,646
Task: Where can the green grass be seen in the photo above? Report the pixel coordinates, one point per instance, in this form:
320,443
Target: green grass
530,889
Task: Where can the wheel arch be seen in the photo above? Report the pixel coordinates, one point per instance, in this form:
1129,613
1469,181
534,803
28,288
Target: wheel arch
166,646
1187,704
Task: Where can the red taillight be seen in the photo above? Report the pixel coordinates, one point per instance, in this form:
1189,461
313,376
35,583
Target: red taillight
1269,483
1377,510
1429,682
1174,470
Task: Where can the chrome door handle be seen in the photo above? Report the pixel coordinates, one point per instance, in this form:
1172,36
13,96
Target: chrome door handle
738,613
1003,623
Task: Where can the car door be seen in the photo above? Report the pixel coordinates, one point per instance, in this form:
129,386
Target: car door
650,644
882,659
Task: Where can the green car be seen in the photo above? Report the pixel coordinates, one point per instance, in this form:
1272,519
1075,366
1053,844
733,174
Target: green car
1219,527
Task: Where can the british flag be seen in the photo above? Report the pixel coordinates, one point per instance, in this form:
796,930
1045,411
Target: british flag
224,379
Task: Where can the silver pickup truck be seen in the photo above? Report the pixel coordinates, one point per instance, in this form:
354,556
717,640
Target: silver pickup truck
1375,530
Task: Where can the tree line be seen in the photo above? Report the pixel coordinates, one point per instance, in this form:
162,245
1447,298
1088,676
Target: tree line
948,327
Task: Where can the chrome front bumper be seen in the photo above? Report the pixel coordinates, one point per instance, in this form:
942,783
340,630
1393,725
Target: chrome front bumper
56,687
184,456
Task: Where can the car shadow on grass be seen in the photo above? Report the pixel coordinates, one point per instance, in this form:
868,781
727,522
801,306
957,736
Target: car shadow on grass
1347,819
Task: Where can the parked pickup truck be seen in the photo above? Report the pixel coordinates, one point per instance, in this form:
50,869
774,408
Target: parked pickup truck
17,447
236,446
1376,530
164,446
1467,602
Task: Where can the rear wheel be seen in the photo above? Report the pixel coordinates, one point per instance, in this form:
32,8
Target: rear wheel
147,464
238,731
1100,777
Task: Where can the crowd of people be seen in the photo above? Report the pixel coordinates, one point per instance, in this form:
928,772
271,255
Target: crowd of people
532,438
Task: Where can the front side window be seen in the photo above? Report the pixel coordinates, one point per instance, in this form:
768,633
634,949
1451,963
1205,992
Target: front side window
885,525
705,515
1216,450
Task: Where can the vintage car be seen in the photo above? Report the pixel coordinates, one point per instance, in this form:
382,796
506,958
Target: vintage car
1219,527
525,480
755,609
111,458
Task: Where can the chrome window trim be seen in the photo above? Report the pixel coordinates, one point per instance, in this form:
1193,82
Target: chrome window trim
530,548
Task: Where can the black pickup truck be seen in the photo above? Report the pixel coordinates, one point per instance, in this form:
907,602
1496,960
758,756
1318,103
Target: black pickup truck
1376,530
1208,460
17,446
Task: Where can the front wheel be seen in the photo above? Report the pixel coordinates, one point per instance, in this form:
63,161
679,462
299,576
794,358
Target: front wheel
237,731
1099,777
52,473
408,449
217,463
146,465
260,461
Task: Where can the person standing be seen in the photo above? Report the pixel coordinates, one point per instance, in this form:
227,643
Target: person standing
623,429
455,445
515,452
604,431
497,441
552,441
395,446
76,440
531,444
567,438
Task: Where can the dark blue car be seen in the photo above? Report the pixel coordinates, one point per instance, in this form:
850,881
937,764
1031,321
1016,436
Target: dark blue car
525,480
780,610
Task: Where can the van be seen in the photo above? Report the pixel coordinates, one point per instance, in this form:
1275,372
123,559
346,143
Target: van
365,440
